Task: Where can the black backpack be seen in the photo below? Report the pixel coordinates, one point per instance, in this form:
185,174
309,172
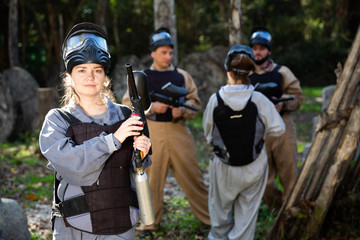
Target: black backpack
238,136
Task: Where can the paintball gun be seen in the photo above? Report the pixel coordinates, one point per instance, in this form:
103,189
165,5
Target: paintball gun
140,177
267,89
172,98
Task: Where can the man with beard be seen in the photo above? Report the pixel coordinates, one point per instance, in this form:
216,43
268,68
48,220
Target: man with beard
281,150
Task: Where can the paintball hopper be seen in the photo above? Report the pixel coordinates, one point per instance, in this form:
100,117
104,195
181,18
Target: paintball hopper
173,90
268,88
142,88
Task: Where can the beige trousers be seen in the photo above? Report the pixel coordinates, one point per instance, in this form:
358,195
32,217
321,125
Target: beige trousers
281,152
173,147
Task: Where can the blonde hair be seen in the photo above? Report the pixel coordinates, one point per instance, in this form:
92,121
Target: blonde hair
70,95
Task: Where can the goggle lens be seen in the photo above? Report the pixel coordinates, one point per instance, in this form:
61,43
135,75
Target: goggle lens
159,36
75,42
261,34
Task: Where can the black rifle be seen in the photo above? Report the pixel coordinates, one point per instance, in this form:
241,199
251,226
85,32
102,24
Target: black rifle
140,177
138,108
267,89
174,93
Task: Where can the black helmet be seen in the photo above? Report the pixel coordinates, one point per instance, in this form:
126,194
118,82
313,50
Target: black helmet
161,37
237,49
86,43
261,37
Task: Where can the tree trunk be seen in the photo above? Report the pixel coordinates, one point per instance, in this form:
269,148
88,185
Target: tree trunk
328,160
54,33
235,22
13,34
343,156
164,14
101,14
116,35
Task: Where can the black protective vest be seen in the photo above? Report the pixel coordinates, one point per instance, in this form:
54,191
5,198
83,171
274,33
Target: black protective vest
241,132
109,198
157,79
273,76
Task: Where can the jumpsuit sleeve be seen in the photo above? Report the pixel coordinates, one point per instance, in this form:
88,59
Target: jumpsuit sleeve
191,97
274,125
79,165
291,87
208,120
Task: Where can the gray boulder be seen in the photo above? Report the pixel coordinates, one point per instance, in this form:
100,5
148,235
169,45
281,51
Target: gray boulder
13,221
23,89
207,70
7,113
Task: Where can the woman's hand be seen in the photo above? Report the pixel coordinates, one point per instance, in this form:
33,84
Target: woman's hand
130,127
142,143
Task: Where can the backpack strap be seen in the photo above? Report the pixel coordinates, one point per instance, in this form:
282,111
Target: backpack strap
220,101
277,68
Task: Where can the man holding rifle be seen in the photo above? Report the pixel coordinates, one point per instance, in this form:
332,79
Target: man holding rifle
281,150
172,143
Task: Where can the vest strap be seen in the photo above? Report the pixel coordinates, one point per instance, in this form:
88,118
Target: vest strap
73,206
78,205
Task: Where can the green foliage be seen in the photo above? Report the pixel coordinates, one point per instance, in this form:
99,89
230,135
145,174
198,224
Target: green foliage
309,36
203,150
178,221
25,175
264,221
312,92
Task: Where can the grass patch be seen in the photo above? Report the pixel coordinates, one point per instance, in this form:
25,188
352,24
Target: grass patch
312,92
178,222
264,222
26,177
310,106
312,101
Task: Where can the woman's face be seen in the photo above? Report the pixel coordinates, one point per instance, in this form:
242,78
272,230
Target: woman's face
88,79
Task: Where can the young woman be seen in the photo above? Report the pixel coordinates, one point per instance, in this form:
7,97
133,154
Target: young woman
89,144
235,121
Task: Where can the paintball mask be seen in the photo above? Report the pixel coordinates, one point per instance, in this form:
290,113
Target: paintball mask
262,38
160,39
238,49
86,43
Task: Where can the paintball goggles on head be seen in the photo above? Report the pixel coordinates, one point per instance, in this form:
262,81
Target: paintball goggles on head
172,98
268,89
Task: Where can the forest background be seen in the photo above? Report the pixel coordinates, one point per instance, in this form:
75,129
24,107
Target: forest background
309,36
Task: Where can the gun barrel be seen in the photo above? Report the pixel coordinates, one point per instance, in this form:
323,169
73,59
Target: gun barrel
131,82
275,101
170,101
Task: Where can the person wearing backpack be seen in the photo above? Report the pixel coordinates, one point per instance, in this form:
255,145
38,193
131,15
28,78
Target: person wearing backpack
236,121
89,144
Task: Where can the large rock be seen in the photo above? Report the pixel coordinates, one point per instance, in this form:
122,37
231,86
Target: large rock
7,114
119,74
326,94
23,89
207,70
13,221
